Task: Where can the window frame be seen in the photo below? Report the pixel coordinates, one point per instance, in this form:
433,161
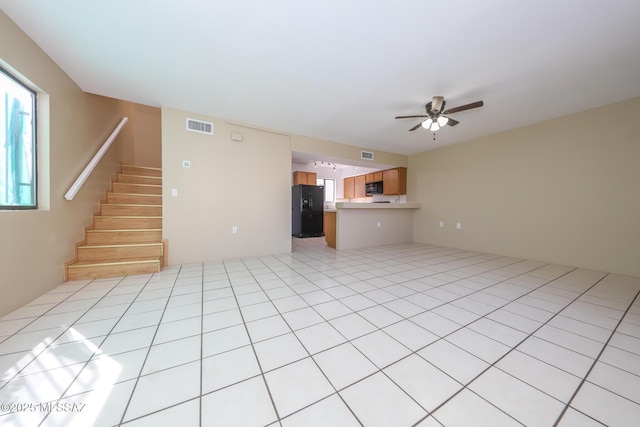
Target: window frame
34,142
325,188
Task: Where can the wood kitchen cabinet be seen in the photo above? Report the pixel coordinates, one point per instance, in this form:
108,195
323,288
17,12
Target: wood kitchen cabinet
394,181
349,187
360,189
330,229
306,178
373,177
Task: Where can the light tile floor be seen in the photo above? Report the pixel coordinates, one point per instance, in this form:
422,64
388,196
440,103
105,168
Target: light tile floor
403,335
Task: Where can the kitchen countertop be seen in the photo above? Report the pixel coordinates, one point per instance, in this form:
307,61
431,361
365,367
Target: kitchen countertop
350,205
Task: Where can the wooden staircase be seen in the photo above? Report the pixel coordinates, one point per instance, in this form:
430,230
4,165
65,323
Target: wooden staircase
126,235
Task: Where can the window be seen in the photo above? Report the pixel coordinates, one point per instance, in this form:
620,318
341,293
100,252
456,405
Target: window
329,188
17,144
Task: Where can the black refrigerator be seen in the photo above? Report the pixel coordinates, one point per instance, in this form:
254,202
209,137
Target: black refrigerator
307,210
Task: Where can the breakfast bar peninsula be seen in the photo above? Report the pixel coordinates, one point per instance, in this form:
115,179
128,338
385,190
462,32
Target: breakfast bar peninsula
361,225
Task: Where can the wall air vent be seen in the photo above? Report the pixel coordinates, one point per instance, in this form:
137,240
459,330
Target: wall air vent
199,126
366,155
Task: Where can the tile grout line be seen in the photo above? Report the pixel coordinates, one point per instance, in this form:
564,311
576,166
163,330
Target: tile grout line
62,395
44,314
137,379
58,336
300,273
513,348
380,370
511,300
310,356
595,361
255,354
201,343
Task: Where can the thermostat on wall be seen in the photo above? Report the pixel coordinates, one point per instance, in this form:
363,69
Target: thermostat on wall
186,163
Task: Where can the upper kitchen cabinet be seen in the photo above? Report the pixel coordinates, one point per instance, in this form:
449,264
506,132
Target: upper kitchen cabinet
394,181
349,187
373,177
306,178
360,187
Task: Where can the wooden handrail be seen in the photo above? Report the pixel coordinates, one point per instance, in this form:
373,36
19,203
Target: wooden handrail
94,161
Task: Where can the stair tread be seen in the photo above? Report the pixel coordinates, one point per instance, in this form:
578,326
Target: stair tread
115,262
129,216
121,245
131,204
135,183
123,230
141,167
135,199
134,194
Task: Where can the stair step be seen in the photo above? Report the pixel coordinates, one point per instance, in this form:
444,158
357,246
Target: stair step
115,237
90,270
125,187
127,222
141,170
136,199
139,179
109,209
126,237
119,252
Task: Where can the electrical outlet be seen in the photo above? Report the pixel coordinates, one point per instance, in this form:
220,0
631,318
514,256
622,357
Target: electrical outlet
458,225
378,224
441,224
174,192
234,229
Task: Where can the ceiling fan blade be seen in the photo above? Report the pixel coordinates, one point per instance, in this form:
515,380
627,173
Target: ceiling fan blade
464,107
411,117
452,122
415,127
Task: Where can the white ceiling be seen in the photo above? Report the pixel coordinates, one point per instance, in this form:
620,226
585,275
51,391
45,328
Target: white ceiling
341,70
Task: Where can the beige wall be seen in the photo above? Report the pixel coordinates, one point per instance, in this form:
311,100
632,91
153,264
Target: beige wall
358,228
565,191
143,134
245,184
148,136
72,125
349,153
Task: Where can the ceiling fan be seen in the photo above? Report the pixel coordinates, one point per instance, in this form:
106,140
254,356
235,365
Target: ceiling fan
436,116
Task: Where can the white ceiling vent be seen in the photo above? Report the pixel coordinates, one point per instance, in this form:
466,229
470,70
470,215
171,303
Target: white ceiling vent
199,126
366,155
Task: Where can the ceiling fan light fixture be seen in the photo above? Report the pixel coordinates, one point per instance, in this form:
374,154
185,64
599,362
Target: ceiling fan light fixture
442,121
434,126
427,123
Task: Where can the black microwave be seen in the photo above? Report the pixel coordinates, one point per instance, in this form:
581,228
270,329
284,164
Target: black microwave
374,188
